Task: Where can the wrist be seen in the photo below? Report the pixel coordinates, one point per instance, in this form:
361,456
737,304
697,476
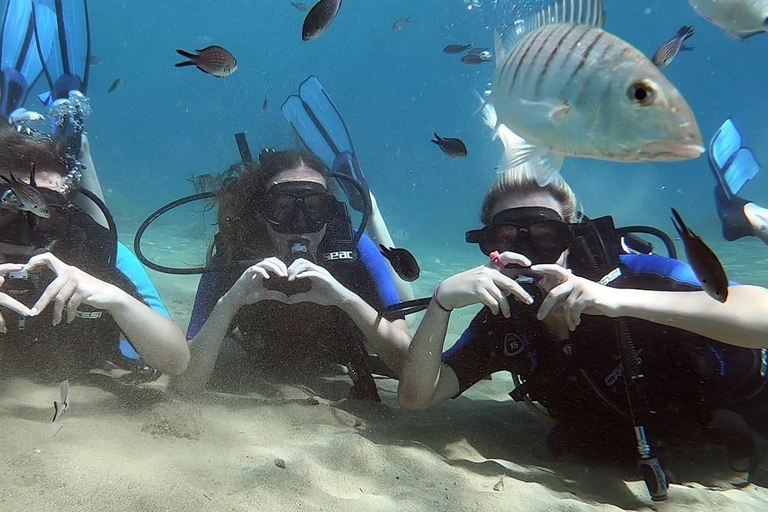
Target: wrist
438,303
229,303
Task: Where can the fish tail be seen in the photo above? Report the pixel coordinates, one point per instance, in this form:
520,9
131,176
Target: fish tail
183,64
186,54
680,226
685,32
385,250
437,139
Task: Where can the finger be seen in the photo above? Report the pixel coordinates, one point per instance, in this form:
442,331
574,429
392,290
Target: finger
62,298
272,266
580,307
280,263
512,287
3,328
488,299
9,302
551,270
259,273
513,258
554,297
501,299
53,289
571,316
301,265
10,267
46,259
72,306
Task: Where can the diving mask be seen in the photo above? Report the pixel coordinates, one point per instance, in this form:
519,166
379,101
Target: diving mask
298,207
538,233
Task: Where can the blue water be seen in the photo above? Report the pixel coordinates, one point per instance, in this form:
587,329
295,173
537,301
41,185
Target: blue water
394,88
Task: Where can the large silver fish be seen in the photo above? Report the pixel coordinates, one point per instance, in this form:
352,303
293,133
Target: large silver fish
569,88
739,18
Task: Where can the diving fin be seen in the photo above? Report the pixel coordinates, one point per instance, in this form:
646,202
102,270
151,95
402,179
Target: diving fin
66,66
732,164
321,128
20,61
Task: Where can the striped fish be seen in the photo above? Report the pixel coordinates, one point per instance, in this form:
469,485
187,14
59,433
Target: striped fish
27,197
214,60
669,50
569,88
739,19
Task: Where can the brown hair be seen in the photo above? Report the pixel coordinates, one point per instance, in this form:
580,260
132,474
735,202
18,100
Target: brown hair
521,181
19,150
241,233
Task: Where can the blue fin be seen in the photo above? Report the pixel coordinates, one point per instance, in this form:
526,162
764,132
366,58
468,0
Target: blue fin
66,66
20,62
732,164
321,128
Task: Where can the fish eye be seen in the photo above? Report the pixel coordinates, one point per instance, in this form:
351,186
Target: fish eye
642,93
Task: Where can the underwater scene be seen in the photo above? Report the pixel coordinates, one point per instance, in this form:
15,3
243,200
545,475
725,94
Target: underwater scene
434,255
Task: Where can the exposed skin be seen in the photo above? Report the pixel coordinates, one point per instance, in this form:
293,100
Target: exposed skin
425,381
758,219
389,339
159,341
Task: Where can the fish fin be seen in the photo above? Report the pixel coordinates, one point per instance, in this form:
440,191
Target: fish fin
204,71
542,163
489,115
55,411
680,226
554,110
32,180
64,391
685,32
186,54
684,48
185,63
582,12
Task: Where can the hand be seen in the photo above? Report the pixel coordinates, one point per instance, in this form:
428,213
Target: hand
6,300
71,288
249,288
326,290
488,284
568,296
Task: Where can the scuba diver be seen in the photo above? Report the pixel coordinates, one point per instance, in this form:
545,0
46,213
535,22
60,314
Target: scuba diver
621,348
53,38
291,279
314,290
734,166
71,308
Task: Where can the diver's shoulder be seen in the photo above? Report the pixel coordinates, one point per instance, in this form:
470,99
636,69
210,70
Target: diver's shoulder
656,267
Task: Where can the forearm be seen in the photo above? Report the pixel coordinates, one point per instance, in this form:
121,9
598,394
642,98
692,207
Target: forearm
388,339
758,219
742,320
205,347
158,340
422,369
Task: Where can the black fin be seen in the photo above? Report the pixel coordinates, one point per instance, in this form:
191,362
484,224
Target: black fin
186,54
185,63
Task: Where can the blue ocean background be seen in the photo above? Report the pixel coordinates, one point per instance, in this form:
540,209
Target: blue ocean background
394,88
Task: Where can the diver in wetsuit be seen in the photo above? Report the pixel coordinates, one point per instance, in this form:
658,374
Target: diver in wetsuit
292,279
559,333
67,307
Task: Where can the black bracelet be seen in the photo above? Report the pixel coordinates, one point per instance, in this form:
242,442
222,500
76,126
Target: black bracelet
437,302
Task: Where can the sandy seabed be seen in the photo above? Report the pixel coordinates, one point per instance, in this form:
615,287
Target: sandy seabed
279,447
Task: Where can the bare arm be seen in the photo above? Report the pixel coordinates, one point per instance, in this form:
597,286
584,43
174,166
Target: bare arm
758,219
205,346
742,320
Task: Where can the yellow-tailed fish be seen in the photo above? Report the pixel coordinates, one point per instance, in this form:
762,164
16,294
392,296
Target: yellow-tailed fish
739,18
569,88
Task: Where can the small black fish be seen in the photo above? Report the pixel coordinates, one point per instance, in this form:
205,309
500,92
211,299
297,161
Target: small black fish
265,105
29,197
707,268
300,7
115,85
213,60
319,18
94,60
474,59
60,408
453,49
669,50
400,24
403,262
452,147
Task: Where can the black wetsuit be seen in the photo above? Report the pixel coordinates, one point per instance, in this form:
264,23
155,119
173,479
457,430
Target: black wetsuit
580,381
34,347
285,334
